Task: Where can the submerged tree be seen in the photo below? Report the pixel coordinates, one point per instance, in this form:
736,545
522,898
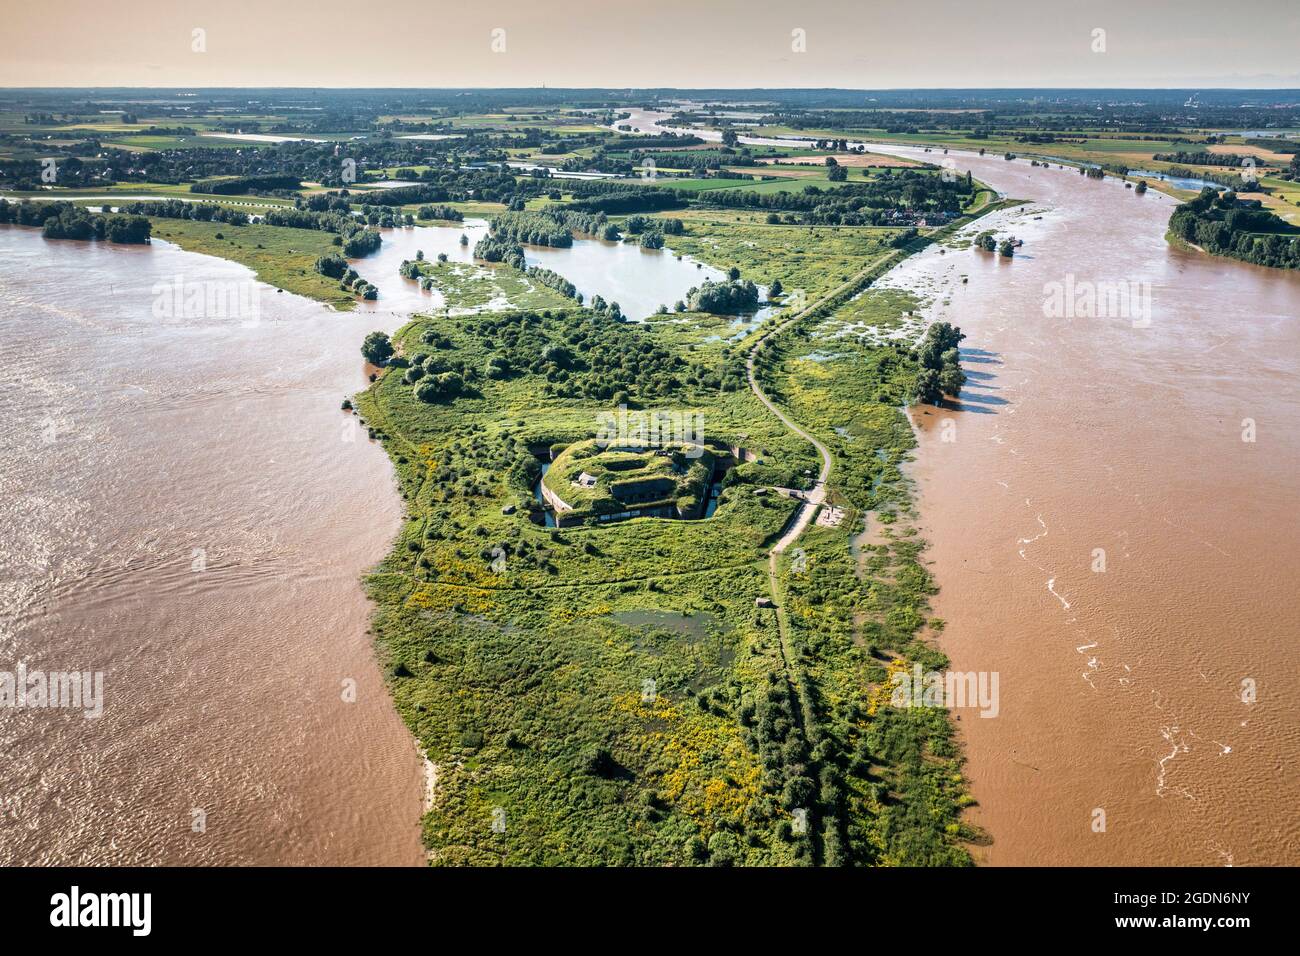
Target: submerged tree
940,362
377,349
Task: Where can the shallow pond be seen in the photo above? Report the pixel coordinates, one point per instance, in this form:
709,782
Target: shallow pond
639,280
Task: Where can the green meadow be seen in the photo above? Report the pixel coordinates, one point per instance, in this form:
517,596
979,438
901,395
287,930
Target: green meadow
281,257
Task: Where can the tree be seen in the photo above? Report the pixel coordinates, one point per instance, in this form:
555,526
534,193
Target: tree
558,354
928,388
332,265
71,223
723,297
432,388
724,849
128,229
940,363
362,242
377,349
837,174
776,289
946,334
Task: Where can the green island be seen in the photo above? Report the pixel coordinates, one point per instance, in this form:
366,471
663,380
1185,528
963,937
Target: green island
616,677
1227,225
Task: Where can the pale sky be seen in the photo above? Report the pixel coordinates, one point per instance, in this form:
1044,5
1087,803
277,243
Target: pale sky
862,44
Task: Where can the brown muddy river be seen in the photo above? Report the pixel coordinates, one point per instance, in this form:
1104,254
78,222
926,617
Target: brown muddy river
186,509
1105,539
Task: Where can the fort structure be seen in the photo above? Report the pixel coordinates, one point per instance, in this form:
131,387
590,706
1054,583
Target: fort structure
592,482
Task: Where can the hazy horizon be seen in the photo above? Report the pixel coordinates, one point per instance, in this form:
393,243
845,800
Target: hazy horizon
884,45
681,89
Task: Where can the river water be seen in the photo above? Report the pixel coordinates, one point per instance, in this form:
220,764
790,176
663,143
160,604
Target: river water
186,509
639,280
1112,517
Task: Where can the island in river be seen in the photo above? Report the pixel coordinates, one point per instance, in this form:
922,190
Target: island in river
758,679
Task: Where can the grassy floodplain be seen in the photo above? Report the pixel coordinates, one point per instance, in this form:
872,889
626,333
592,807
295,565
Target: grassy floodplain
467,287
281,257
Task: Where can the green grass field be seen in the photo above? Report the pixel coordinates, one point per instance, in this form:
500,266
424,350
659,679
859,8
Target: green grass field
284,258
812,258
467,287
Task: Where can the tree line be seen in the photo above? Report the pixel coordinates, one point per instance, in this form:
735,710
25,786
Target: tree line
1225,225
62,220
